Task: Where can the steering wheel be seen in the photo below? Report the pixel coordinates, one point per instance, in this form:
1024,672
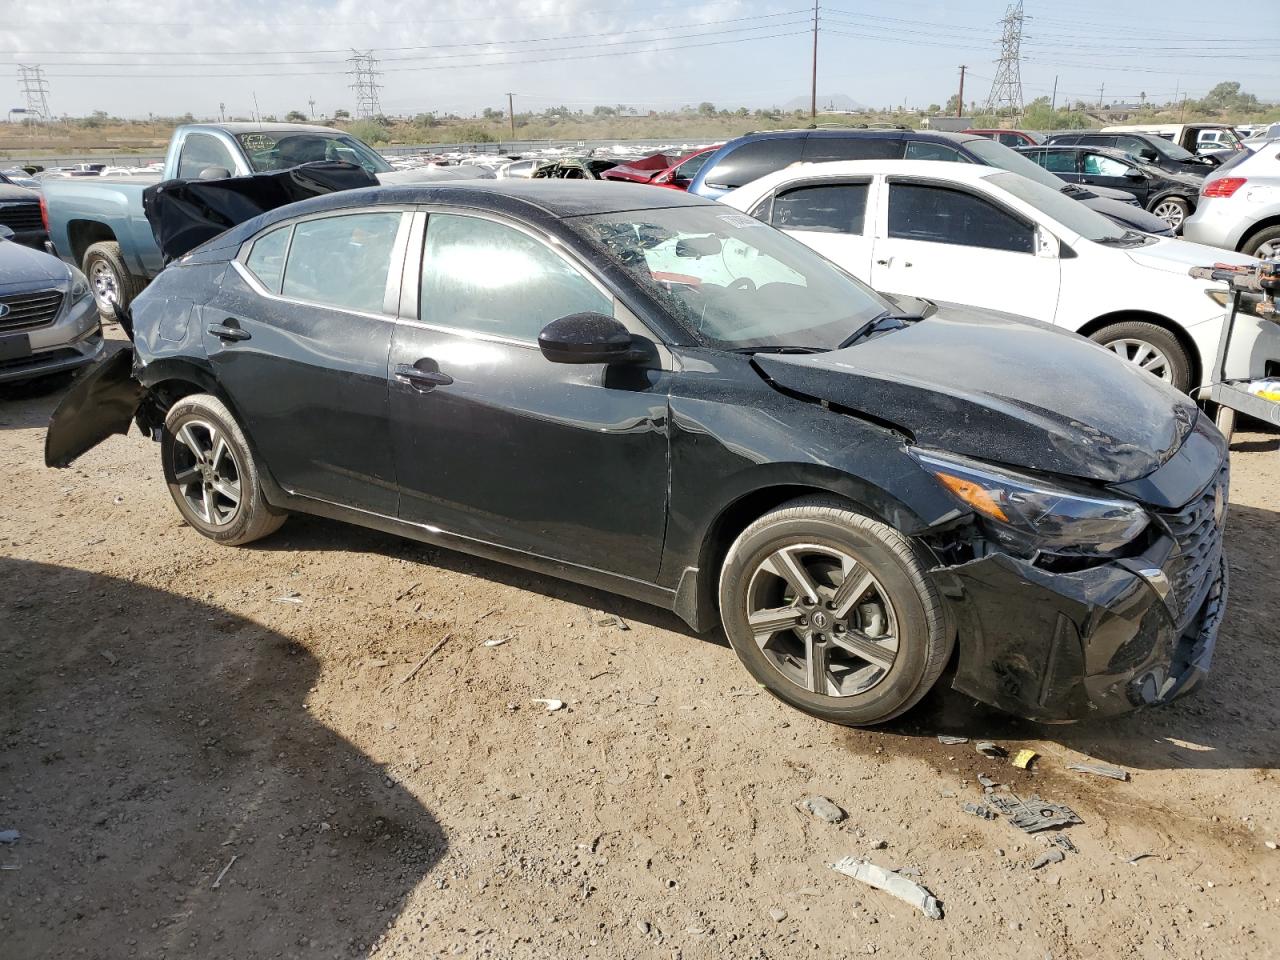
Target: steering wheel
743,283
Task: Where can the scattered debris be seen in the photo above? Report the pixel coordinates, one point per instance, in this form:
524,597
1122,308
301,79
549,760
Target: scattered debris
10,836
823,809
643,926
980,810
1138,856
1049,856
879,844
496,641
989,749
288,598
908,872
1100,770
951,741
744,693
1063,841
108,656
891,883
1024,759
408,590
230,863
603,619
421,663
777,914
1270,845
551,705
1034,815
987,783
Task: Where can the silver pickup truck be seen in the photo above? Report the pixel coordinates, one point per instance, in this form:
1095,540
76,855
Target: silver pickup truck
98,225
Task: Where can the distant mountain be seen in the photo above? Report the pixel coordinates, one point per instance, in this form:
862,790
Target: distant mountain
826,101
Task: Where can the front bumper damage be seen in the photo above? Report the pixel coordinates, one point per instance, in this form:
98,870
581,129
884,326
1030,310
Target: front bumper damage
1071,646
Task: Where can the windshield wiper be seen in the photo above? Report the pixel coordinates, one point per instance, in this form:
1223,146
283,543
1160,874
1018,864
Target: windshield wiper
885,323
1130,238
782,348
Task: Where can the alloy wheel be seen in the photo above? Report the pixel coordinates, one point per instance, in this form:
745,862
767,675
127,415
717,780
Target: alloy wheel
1171,213
105,284
1142,354
206,472
1268,250
822,619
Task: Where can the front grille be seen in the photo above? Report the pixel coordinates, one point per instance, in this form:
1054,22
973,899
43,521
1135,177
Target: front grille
1199,537
21,217
27,311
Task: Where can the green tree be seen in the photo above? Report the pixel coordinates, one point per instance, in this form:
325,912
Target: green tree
342,114
295,116
707,109
600,110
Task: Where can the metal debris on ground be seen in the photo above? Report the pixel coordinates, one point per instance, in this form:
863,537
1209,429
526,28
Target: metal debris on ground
1138,856
1100,770
896,885
288,598
987,782
496,641
551,705
230,863
823,809
1024,759
951,741
1033,815
10,836
1049,856
1063,841
610,620
989,749
980,810
421,663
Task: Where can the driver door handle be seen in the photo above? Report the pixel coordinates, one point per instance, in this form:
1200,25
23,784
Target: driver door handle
229,330
422,379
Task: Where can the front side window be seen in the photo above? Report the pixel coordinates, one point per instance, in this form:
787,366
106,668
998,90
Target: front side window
732,281
692,167
266,259
342,261
202,152
830,208
1056,161
942,215
1096,165
487,277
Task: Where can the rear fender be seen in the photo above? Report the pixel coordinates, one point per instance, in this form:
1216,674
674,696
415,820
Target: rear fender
103,401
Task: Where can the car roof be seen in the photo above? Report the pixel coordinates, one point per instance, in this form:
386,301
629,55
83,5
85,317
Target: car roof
237,127
931,169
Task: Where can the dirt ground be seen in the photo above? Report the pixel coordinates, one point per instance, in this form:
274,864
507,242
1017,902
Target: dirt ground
215,752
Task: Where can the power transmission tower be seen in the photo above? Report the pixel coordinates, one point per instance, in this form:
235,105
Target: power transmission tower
364,81
1006,88
36,89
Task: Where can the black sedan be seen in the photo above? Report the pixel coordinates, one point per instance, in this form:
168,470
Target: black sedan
1171,196
653,394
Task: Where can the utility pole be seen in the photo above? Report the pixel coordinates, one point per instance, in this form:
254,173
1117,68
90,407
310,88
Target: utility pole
813,89
257,113
1101,90
960,102
511,112
1053,103
311,102
1183,115
36,89
364,81
1006,88
222,112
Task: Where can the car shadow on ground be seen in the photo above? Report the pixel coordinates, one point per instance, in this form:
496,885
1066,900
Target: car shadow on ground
152,746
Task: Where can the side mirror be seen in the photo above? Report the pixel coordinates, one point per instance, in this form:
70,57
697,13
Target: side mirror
1148,153
215,173
6,233
1133,173
586,338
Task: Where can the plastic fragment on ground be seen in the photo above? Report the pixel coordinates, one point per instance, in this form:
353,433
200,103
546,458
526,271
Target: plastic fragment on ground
1101,770
1035,814
896,885
989,749
951,741
1023,759
980,810
1049,856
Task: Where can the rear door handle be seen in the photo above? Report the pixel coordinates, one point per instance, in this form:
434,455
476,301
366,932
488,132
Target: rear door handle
422,379
229,330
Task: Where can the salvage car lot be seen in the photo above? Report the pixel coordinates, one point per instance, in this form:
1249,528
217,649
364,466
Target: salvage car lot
173,709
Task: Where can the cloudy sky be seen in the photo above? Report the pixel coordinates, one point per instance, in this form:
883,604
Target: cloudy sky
135,57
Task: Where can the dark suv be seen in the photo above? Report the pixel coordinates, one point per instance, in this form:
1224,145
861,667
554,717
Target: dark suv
1145,146
750,157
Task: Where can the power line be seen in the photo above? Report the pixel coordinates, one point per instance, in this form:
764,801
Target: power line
364,73
1006,88
36,89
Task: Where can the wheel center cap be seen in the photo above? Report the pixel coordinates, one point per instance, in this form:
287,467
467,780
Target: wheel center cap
820,620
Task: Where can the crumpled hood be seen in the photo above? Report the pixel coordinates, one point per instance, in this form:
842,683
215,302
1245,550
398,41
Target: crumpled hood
1179,256
1001,389
21,265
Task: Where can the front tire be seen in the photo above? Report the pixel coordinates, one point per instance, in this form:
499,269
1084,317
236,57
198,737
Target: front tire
1173,211
211,473
109,278
833,612
1150,347
1265,244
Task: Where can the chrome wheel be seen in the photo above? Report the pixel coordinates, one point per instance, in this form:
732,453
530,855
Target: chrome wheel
1144,355
1171,212
822,619
105,284
1268,250
206,472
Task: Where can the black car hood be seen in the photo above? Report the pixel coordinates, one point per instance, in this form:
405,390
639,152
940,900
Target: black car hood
1127,214
1001,389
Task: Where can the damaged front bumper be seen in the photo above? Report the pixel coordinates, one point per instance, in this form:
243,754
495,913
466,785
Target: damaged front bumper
1093,643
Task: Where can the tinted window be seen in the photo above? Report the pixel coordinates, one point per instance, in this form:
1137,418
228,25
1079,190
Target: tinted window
921,150
266,261
939,215
834,208
1010,139
853,147
1065,138
690,168
753,160
1096,165
1097,141
1055,161
201,151
490,278
342,261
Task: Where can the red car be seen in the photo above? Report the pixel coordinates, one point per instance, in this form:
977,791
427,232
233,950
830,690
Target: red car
675,176
1010,138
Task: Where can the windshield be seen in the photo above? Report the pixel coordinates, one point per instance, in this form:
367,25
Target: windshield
1169,149
733,281
282,150
1072,214
998,155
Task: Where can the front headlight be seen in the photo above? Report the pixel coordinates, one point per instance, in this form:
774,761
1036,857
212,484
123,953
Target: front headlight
1249,302
1029,516
79,285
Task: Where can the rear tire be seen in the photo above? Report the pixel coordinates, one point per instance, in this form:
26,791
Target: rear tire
211,473
1149,346
1173,211
109,278
1265,244
870,592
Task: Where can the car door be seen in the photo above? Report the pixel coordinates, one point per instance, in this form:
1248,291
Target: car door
496,443
1097,169
831,218
945,243
1064,164
298,335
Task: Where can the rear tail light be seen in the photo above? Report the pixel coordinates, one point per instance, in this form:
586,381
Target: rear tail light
44,213
1223,187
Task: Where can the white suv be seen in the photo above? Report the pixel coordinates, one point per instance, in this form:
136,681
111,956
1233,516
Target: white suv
1240,205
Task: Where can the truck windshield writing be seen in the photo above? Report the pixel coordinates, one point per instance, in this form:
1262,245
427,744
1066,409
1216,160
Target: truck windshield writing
270,151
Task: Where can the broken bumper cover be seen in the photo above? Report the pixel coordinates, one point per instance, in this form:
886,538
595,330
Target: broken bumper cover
1070,646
